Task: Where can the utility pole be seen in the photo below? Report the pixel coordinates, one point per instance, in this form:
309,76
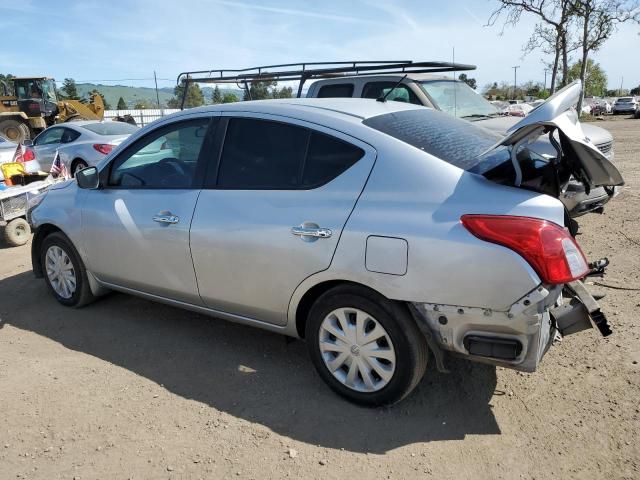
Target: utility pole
620,91
155,79
515,78
545,79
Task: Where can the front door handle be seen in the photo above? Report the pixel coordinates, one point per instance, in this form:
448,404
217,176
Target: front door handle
311,232
166,218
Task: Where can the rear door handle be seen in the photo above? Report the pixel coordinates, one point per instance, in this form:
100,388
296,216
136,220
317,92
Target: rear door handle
163,218
311,232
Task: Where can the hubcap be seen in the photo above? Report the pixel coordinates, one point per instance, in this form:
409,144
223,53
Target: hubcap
357,350
21,231
60,272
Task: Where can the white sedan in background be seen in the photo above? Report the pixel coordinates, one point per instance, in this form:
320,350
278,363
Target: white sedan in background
7,153
80,144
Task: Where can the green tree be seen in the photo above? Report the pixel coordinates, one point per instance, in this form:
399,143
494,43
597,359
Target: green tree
141,105
104,100
217,96
635,91
595,82
260,90
469,81
121,105
195,98
69,89
229,98
284,92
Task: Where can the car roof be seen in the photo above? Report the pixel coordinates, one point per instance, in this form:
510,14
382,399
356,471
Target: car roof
357,108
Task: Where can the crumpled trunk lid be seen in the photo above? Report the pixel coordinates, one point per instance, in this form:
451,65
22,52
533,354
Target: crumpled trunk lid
582,157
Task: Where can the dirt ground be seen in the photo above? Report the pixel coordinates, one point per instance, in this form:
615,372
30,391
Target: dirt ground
126,388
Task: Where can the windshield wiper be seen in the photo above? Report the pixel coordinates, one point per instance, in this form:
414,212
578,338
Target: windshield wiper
480,115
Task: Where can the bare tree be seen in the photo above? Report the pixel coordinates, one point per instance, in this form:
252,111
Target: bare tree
552,33
598,20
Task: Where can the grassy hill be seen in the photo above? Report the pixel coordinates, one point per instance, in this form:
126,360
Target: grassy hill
133,95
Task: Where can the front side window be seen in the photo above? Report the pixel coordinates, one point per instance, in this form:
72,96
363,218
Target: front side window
50,137
394,92
269,155
165,158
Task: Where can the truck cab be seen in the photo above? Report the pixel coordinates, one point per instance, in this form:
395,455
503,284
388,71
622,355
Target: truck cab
436,91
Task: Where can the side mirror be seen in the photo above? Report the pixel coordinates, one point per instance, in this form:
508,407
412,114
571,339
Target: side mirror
88,178
27,143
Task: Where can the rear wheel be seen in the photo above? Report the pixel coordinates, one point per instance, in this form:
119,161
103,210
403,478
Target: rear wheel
64,271
14,130
78,165
365,347
17,232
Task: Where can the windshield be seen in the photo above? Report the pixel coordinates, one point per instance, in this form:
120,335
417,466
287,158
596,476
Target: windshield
625,100
458,99
455,141
49,91
111,128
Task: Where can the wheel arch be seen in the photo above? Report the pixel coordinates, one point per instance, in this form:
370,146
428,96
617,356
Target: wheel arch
74,162
42,232
308,298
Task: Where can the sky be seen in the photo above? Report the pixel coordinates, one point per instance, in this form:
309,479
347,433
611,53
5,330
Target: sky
124,41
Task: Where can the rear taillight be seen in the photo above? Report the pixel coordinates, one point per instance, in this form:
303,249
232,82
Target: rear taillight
28,155
103,148
548,247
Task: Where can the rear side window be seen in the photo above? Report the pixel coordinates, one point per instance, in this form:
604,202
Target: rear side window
264,155
455,141
69,135
327,158
341,90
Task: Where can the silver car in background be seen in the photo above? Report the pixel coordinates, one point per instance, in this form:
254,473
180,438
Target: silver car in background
625,105
80,143
376,231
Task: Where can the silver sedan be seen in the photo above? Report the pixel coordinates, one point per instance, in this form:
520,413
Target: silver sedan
376,231
80,144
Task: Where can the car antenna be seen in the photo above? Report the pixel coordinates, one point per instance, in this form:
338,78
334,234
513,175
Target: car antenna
383,98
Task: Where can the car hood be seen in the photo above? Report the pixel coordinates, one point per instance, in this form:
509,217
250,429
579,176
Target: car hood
584,159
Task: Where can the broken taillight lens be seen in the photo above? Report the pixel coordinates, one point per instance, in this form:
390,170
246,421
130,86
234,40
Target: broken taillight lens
549,249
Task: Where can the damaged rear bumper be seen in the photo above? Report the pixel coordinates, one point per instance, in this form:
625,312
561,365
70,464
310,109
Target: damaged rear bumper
517,338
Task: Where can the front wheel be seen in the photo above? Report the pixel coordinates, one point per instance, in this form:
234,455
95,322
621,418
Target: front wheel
365,347
64,271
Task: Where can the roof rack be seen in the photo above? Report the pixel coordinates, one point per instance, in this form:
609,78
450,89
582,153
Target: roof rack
313,70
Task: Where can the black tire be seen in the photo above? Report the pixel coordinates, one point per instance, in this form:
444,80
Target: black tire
14,130
408,342
82,295
17,232
78,164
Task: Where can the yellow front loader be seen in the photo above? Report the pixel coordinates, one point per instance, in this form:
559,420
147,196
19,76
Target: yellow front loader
33,106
